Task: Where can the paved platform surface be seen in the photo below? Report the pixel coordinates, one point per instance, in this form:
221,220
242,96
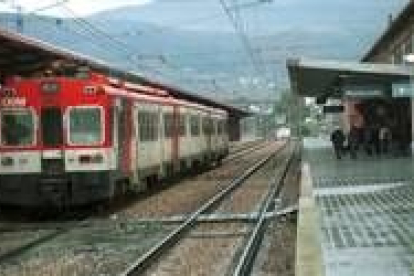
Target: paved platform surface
366,212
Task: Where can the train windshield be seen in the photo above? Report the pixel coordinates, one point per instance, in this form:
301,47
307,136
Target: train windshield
17,127
85,125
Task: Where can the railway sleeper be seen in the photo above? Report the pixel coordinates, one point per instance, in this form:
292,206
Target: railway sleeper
223,218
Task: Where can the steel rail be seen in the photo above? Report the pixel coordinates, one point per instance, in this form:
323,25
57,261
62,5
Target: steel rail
58,230
142,263
248,256
244,151
223,218
235,149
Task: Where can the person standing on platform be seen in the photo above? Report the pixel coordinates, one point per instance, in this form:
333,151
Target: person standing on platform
376,143
367,139
353,140
338,139
384,139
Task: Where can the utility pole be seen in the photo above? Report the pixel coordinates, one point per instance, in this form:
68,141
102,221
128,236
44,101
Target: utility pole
18,17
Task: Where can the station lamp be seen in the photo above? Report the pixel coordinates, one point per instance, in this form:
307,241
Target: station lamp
409,58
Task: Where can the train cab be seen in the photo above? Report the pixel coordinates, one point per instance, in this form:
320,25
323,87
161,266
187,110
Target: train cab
53,135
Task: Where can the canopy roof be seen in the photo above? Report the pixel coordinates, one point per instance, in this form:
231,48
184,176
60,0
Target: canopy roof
315,78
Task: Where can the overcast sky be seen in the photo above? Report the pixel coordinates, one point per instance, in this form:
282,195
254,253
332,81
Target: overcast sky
80,7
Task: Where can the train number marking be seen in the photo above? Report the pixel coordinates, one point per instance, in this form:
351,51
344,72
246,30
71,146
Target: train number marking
13,101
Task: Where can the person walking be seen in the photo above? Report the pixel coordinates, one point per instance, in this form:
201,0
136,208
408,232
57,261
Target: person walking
338,139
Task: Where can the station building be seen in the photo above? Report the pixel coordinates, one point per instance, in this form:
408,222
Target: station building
352,219
375,91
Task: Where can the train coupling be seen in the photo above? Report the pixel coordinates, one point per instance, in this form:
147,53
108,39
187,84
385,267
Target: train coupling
55,190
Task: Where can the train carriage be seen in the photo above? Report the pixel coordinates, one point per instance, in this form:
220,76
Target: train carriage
84,138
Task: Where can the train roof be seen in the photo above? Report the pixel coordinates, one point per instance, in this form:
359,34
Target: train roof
23,55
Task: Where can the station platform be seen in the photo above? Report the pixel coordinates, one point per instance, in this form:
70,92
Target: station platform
356,217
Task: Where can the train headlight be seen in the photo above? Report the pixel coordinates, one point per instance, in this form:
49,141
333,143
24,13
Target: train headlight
90,90
7,161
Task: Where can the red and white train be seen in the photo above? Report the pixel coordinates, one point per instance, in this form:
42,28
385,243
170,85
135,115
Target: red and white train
85,138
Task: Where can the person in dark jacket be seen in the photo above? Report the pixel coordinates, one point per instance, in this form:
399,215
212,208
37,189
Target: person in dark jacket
338,139
353,141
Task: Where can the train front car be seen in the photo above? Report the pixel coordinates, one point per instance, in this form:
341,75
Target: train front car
55,146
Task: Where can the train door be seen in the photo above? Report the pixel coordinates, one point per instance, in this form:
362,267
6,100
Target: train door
175,140
51,127
208,132
115,136
161,139
124,137
53,186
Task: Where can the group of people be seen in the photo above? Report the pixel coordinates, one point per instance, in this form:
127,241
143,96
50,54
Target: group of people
372,139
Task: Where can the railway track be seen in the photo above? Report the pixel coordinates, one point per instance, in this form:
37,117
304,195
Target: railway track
245,149
240,146
146,263
244,264
52,237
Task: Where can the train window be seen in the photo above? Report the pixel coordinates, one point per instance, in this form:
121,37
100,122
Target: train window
84,75
85,126
148,125
154,126
195,125
168,124
207,126
17,127
143,125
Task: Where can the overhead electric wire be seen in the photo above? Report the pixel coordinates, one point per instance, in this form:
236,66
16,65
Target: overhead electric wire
90,31
47,32
242,35
116,47
65,42
268,63
40,30
50,6
102,48
98,33
236,6
125,46
200,20
261,55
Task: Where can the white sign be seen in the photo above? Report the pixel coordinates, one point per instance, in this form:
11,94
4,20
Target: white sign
13,101
364,93
402,90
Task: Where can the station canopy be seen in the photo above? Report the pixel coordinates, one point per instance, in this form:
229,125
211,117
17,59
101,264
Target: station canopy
22,55
330,79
